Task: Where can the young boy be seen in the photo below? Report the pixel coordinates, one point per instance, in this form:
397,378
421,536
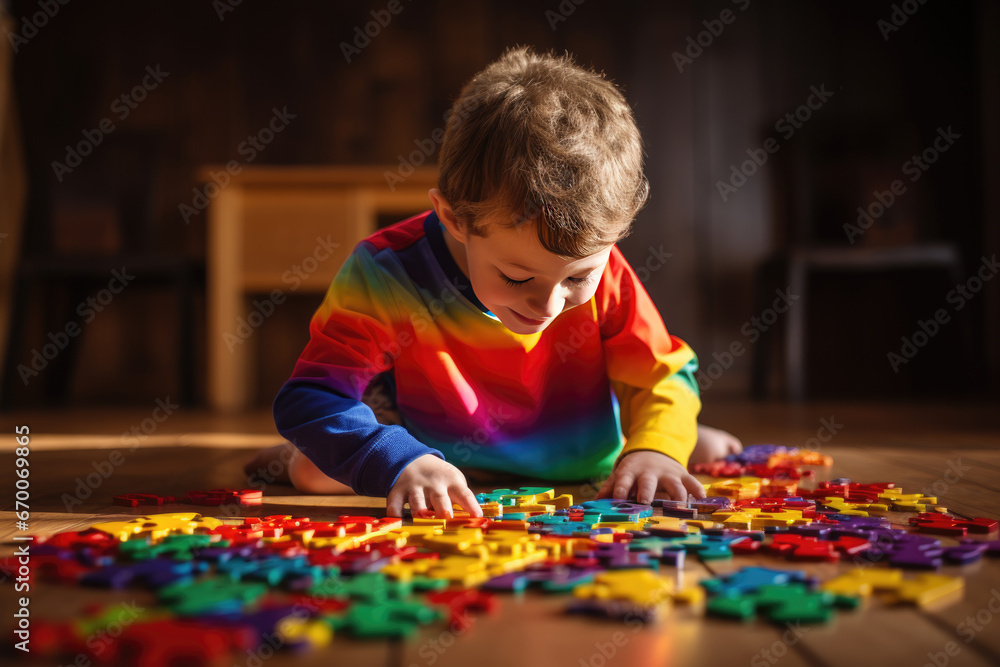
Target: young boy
505,325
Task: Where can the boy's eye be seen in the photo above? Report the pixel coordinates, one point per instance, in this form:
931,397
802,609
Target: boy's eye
511,282
580,281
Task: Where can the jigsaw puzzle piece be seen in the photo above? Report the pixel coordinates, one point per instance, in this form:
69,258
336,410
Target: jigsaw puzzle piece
460,604
208,596
639,587
158,526
750,579
928,588
387,619
171,642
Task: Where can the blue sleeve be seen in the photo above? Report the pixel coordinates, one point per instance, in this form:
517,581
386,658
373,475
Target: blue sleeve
343,438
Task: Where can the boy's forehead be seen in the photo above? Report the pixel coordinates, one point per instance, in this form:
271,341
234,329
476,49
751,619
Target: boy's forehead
519,247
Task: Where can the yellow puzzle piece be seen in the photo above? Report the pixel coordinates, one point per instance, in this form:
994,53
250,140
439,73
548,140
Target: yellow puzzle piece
641,587
158,526
928,588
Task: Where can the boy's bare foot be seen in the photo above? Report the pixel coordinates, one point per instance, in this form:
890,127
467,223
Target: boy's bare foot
284,464
270,465
714,444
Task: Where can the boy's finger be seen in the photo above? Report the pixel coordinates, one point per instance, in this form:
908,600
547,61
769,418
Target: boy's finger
673,486
417,501
441,502
605,490
394,504
696,488
623,484
467,500
646,488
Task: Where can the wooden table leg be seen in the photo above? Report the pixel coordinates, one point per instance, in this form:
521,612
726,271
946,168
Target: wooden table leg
229,371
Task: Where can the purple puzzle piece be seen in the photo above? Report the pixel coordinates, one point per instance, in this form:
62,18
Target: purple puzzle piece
263,621
759,453
551,579
852,522
915,551
915,558
221,554
711,504
992,546
154,573
818,530
613,609
965,553
619,556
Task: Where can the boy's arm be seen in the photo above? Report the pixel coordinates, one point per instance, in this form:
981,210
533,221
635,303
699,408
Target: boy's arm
318,409
651,371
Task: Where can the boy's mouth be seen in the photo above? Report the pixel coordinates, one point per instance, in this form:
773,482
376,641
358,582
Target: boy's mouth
526,320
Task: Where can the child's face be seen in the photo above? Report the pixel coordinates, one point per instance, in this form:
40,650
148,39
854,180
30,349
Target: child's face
522,283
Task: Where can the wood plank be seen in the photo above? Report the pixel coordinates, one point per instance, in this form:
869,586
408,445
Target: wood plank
532,629
914,473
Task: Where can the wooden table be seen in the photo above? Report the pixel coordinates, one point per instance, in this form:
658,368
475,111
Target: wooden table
270,232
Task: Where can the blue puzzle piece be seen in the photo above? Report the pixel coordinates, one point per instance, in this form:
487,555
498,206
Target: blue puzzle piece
546,519
295,573
750,579
612,509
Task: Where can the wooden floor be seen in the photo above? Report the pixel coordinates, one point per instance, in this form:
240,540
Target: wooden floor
951,451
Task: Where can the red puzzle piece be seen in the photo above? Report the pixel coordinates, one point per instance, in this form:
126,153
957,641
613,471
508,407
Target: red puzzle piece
460,603
170,642
945,524
801,547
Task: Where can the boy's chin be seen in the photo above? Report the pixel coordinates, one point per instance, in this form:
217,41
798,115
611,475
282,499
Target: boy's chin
518,326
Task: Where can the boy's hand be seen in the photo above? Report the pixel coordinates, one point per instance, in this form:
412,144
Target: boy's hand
429,482
642,473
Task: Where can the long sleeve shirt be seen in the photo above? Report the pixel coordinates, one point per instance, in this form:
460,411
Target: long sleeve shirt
602,380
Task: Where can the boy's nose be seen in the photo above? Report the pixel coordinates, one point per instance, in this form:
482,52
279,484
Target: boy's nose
547,308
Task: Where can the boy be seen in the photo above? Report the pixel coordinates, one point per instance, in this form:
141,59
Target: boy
504,324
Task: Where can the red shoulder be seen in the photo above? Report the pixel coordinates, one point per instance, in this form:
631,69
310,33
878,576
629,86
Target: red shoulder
399,235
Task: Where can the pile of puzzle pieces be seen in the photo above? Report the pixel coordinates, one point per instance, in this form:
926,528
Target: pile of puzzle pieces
241,497
223,587
765,461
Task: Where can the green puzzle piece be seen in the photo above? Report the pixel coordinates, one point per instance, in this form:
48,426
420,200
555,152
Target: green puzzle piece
422,584
794,602
386,619
215,595
742,607
365,587
177,547
787,603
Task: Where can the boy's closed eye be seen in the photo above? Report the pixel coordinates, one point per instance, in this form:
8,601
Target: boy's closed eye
575,280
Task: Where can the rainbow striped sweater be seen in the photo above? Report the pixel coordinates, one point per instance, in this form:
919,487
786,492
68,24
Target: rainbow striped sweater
603,379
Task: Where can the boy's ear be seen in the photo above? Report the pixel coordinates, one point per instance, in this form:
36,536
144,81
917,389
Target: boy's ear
446,215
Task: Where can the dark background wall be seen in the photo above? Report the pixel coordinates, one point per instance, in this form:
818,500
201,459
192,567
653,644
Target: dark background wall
890,91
